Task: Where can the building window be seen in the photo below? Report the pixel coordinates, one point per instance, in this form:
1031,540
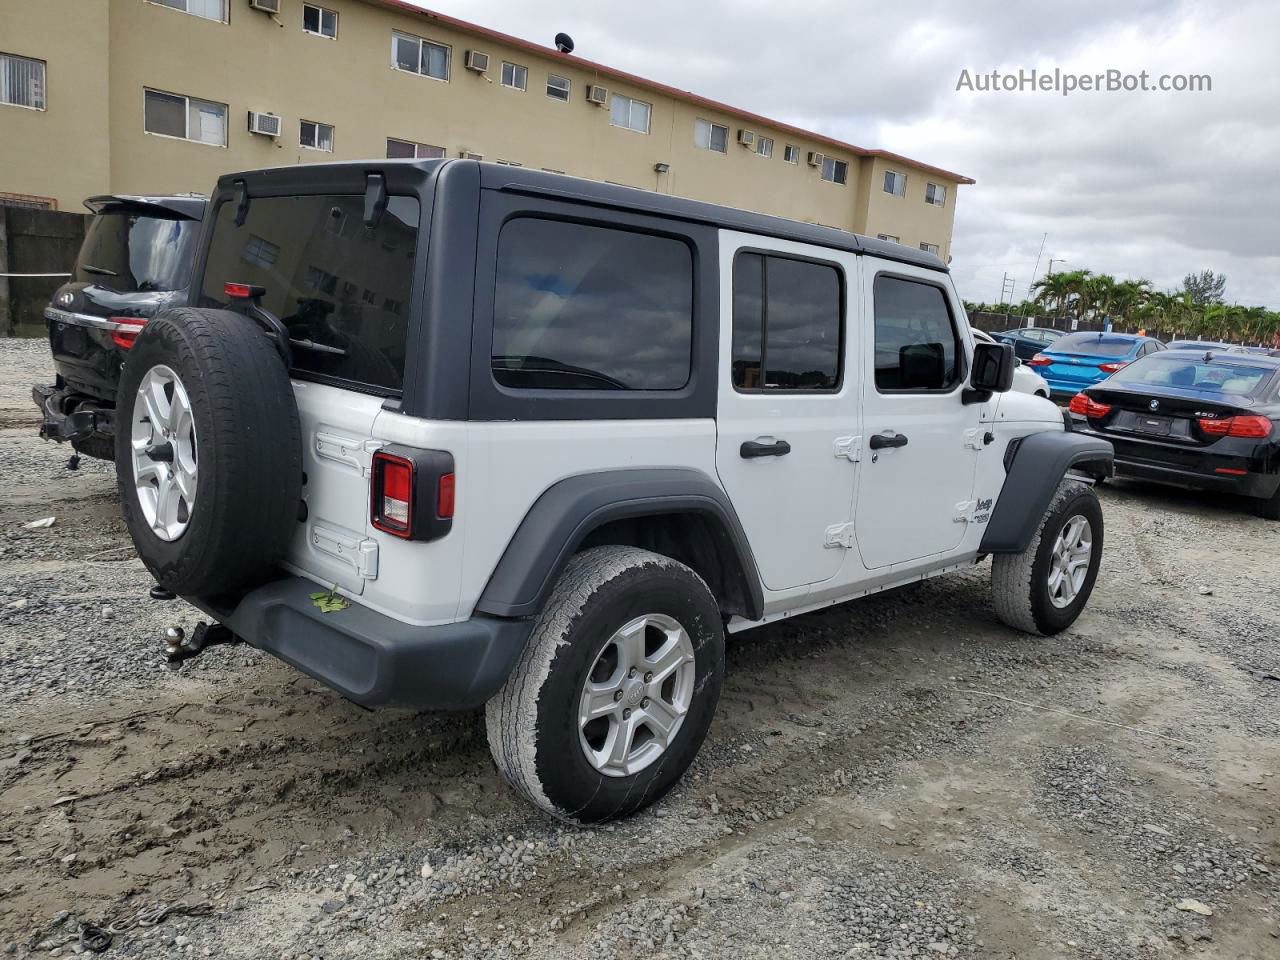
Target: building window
416,55
710,136
837,171
887,236
21,81
935,194
318,20
509,163
262,252
27,201
791,153
558,87
929,248
917,346
581,307
411,150
315,136
208,9
172,115
632,114
764,146
515,76
895,183
787,321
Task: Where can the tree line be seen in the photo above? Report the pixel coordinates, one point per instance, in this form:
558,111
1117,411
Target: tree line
1198,309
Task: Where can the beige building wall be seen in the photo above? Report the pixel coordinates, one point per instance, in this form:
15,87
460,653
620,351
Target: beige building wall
61,151
256,62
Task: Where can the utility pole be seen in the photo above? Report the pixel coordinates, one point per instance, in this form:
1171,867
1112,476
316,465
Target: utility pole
1052,261
1006,289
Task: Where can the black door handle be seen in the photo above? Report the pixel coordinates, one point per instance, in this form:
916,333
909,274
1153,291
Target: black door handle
879,441
751,449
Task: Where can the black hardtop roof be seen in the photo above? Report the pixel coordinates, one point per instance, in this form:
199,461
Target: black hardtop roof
495,176
190,206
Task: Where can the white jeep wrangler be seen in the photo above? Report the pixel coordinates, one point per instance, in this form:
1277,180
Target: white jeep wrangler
445,434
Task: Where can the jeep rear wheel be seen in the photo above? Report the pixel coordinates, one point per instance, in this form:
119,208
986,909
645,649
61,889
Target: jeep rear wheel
616,687
208,457
1044,588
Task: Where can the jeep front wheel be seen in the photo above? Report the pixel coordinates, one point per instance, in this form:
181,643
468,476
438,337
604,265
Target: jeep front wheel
616,687
1044,588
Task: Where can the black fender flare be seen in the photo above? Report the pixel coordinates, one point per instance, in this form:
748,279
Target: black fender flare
570,509
1034,467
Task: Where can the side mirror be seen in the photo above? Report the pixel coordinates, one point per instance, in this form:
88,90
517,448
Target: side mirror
993,365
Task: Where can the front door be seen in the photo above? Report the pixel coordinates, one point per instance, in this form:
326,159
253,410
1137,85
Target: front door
787,419
921,439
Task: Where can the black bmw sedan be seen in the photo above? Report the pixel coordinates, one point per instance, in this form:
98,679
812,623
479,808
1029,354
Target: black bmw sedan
1193,418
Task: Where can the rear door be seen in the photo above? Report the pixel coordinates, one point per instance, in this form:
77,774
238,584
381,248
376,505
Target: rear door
343,290
787,417
921,438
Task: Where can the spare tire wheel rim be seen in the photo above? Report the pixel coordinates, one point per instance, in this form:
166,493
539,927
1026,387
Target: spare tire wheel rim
636,695
164,453
1069,562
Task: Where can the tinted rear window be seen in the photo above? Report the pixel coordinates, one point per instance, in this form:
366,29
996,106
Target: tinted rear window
130,253
580,307
342,288
1091,345
1214,376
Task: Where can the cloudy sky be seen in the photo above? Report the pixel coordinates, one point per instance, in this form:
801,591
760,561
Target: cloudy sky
1137,184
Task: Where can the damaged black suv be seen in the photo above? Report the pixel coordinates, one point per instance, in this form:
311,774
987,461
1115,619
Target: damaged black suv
135,262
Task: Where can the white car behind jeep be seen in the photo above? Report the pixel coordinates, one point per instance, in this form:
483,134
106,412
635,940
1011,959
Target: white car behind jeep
459,434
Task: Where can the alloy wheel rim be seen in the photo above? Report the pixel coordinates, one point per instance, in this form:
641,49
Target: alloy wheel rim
163,447
1069,562
636,695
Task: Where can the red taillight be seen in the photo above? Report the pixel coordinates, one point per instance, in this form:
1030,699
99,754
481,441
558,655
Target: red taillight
127,333
243,291
1039,360
1231,471
1248,426
1086,406
444,496
1111,367
392,494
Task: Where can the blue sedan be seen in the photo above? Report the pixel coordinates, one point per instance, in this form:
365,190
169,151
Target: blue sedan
1080,360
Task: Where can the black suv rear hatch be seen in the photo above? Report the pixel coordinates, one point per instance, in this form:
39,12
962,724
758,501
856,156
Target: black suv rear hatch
135,261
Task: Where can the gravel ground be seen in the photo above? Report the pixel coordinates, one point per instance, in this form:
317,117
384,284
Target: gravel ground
900,777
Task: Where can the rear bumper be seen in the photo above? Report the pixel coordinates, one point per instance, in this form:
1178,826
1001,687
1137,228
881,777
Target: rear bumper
1068,388
374,659
1155,461
68,415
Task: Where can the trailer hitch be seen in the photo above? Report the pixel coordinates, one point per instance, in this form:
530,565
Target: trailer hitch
179,647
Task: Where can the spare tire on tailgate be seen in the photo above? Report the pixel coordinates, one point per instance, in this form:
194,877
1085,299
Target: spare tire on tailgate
208,456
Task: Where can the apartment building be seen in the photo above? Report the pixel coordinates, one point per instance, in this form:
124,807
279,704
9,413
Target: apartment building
149,96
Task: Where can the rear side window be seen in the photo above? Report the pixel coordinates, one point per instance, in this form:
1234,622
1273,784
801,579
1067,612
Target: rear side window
1094,345
917,347
581,307
130,253
342,289
787,323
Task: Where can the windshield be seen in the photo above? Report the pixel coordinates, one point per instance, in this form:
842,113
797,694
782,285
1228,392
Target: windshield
1093,345
1217,375
341,288
131,253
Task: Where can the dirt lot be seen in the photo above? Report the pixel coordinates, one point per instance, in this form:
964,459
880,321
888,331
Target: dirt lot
903,777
